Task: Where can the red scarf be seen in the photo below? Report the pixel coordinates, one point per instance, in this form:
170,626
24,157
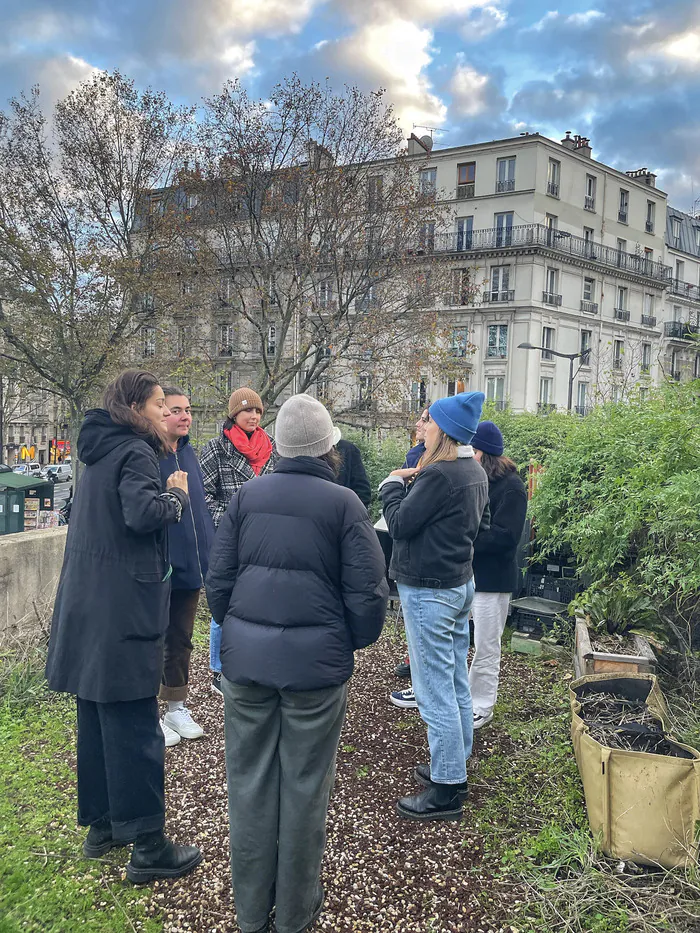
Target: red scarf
257,448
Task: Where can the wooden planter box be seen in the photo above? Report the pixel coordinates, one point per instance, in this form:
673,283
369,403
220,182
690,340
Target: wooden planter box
588,661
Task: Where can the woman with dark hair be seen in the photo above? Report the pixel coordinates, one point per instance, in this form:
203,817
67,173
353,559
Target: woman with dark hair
433,523
109,621
241,452
296,577
495,567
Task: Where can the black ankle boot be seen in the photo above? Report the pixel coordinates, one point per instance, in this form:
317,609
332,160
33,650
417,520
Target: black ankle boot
437,802
98,841
154,856
422,775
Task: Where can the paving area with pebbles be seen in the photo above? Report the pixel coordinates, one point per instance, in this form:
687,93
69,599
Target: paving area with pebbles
381,873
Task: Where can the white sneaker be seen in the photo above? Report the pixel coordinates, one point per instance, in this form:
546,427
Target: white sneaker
180,721
480,720
405,699
171,738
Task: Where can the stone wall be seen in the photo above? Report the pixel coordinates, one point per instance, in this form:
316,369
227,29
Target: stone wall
30,565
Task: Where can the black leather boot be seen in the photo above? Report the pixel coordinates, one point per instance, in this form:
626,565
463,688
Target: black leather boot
98,841
437,802
154,856
422,775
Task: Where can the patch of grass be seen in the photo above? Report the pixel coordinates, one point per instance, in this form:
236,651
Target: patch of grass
45,883
530,809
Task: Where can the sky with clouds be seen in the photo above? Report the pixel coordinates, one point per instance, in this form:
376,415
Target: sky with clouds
626,74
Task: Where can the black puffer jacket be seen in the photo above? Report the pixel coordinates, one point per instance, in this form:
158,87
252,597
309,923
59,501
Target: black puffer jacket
111,608
496,550
296,576
434,522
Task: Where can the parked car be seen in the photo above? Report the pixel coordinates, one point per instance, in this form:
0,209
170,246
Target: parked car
4,468
33,468
59,472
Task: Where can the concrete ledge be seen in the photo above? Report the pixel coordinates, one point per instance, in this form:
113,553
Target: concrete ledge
30,565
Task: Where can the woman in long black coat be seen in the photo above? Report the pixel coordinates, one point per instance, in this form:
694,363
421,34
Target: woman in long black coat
109,622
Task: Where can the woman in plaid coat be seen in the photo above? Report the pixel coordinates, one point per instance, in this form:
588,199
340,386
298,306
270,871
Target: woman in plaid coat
242,451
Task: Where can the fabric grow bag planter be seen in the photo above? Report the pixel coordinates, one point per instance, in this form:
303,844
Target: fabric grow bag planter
645,807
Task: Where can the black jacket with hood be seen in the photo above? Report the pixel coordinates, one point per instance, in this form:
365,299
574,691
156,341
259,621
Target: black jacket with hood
111,608
296,576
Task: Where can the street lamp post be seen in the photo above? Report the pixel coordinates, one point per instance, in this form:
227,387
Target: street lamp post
582,355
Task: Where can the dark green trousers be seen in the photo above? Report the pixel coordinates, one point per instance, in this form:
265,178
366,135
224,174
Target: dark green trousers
281,748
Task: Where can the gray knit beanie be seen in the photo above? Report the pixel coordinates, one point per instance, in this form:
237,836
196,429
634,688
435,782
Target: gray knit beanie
303,428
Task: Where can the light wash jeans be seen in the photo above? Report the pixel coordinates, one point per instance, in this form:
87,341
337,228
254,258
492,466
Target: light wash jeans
437,631
215,647
489,611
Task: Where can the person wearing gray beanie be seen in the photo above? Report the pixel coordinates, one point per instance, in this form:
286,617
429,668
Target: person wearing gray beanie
297,581
304,428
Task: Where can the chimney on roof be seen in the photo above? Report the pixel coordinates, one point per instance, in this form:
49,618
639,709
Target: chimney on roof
644,175
418,146
567,142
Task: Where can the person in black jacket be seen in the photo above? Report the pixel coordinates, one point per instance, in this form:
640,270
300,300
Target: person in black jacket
190,541
352,473
495,567
433,524
296,577
109,620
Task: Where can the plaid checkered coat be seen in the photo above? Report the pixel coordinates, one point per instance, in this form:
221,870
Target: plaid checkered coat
225,470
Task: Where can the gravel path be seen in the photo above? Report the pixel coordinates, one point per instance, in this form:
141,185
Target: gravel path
381,873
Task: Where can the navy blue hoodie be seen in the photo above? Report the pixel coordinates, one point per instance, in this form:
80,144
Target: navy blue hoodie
191,539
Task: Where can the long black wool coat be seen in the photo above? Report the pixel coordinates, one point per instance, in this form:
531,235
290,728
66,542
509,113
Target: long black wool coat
111,608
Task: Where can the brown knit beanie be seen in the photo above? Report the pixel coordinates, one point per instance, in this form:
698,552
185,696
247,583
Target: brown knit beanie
242,399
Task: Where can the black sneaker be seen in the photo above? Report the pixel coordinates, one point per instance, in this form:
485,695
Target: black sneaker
216,684
403,669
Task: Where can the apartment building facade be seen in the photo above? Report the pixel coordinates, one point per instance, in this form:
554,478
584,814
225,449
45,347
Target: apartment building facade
567,255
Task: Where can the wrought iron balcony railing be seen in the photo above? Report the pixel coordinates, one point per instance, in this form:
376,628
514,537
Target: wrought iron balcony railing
492,297
685,290
507,185
621,314
465,191
589,203
549,298
553,189
589,307
649,226
648,320
527,236
680,330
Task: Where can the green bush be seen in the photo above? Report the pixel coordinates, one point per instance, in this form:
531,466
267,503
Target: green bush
530,436
623,492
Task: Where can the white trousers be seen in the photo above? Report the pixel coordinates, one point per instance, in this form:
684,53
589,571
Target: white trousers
489,611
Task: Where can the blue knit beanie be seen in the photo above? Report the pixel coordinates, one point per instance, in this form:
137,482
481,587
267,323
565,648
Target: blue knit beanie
488,438
458,415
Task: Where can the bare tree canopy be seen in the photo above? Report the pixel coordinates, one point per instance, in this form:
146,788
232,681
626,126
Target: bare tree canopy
72,267
307,233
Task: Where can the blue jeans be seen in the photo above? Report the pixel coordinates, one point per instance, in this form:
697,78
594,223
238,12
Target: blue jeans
215,647
437,631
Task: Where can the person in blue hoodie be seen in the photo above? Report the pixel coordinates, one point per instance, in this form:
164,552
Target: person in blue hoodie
190,542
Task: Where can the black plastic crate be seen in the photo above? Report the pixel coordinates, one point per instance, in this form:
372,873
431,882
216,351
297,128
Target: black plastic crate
536,616
547,586
530,623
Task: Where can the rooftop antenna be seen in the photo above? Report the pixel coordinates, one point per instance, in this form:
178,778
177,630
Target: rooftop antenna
431,129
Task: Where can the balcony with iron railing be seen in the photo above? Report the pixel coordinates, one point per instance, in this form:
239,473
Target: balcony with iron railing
676,375
649,226
496,353
550,298
553,189
589,203
622,314
622,217
648,320
589,307
493,297
507,184
465,191
617,362
680,330
529,236
685,290
545,408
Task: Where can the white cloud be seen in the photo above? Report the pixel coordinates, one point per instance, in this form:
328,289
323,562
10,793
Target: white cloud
419,11
59,75
483,22
239,57
469,90
393,54
685,47
555,18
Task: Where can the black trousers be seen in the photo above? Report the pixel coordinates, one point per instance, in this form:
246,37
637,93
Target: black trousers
178,644
121,766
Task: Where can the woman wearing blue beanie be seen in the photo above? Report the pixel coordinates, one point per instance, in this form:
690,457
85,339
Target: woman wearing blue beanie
433,524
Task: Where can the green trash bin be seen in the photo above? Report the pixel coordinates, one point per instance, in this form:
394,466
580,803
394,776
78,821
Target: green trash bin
11,510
